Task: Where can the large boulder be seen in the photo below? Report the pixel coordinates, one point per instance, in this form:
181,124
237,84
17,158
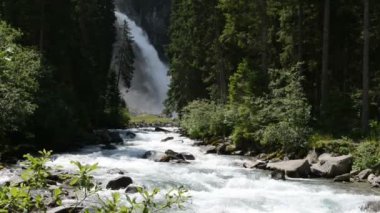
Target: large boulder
292,168
330,167
169,156
186,156
119,183
258,164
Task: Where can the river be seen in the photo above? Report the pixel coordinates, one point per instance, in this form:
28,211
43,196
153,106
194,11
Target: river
217,184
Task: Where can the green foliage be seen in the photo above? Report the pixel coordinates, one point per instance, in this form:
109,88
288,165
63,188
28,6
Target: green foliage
277,120
367,155
19,72
289,111
148,204
242,83
117,114
68,98
15,199
327,144
150,119
36,172
374,130
19,198
202,119
83,180
126,57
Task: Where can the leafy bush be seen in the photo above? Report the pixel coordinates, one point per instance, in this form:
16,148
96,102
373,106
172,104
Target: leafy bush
285,137
367,155
36,172
20,69
20,199
82,180
277,120
149,202
202,119
323,144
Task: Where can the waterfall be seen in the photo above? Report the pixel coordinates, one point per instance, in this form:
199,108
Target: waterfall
150,81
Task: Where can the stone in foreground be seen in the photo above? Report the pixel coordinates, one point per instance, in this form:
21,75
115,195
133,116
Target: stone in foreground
119,183
292,168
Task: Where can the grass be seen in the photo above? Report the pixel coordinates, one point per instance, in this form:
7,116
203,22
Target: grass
150,119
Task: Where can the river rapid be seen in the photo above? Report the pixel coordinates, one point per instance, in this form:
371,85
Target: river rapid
217,184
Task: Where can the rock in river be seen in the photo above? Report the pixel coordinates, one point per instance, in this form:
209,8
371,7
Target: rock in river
119,183
292,168
167,139
331,167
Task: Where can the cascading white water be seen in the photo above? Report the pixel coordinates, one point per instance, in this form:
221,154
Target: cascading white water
150,80
217,184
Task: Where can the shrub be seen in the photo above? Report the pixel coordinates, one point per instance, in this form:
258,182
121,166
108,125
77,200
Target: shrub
202,119
20,199
278,119
375,130
325,144
367,155
36,172
285,137
20,70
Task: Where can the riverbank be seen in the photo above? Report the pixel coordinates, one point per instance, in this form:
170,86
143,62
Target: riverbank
338,168
217,183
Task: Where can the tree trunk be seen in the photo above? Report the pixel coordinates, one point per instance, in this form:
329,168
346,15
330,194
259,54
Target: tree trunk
264,34
325,58
365,98
300,18
42,26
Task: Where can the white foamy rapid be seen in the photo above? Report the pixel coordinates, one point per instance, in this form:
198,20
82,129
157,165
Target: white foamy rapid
150,81
218,184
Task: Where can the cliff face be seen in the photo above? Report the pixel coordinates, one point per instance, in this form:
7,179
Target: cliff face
153,16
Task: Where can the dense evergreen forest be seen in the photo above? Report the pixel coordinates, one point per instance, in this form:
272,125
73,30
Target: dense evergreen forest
276,72
291,86
55,59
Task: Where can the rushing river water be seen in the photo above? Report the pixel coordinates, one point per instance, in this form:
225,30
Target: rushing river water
218,184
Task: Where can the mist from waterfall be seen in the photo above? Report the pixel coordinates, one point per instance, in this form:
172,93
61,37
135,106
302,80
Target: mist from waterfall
150,81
